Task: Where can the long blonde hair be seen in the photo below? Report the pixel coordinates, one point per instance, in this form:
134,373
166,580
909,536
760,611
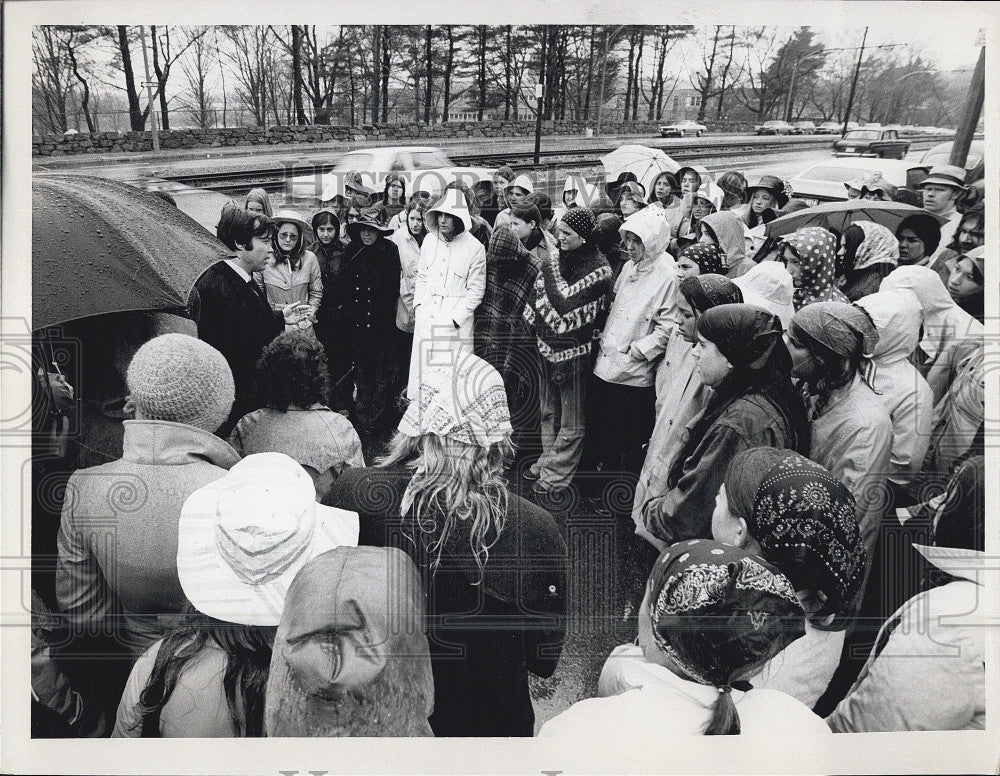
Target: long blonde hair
453,482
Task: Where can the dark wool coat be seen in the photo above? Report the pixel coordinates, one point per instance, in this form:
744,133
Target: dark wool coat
484,638
238,323
370,274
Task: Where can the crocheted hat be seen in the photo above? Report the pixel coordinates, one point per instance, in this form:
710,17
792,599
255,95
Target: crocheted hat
580,220
179,378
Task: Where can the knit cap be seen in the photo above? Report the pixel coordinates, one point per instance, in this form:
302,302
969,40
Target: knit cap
580,220
179,378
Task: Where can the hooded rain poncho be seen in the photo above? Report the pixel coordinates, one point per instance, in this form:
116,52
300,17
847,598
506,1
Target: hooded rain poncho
903,390
642,311
949,333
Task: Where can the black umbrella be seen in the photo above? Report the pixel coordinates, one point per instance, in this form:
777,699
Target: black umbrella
100,246
839,215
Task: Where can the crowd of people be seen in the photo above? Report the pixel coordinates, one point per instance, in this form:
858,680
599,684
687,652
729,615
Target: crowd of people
340,508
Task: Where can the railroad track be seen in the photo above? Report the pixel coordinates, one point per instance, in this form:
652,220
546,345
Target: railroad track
273,178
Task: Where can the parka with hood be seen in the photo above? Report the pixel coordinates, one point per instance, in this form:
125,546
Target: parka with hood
642,311
949,333
903,390
451,281
729,233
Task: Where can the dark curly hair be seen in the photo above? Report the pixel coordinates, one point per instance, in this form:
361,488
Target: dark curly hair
292,370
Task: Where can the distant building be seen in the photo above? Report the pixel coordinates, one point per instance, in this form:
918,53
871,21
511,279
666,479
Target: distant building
681,104
462,110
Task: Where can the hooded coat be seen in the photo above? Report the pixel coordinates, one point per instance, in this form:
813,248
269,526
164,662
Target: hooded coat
642,310
451,281
728,230
903,390
949,332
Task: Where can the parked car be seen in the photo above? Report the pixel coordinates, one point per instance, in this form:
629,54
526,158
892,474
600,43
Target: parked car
803,128
881,143
829,128
824,182
413,162
974,162
682,129
774,128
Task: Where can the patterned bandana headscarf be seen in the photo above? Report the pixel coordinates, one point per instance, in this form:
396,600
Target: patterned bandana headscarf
705,291
817,251
709,257
804,520
717,609
465,401
879,246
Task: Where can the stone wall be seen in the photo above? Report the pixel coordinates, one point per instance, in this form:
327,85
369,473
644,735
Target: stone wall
114,142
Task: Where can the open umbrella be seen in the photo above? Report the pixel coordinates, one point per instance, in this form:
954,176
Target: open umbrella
642,161
101,246
839,215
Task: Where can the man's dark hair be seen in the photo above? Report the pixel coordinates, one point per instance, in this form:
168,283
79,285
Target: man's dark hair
237,227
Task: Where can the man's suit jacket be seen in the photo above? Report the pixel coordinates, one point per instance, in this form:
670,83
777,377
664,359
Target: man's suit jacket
238,322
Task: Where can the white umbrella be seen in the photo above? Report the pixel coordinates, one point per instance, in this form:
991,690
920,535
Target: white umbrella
642,161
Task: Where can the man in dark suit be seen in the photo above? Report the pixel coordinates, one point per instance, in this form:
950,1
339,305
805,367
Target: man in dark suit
230,307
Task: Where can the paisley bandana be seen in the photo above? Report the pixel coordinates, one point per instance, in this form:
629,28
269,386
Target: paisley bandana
804,519
710,604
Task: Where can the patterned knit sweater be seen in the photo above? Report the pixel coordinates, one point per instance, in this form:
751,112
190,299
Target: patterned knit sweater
570,292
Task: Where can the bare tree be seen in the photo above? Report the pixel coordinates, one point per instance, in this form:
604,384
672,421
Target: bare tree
428,73
50,78
196,68
250,55
448,70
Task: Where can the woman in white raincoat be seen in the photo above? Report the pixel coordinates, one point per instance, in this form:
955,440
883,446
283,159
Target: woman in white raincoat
949,333
639,325
451,280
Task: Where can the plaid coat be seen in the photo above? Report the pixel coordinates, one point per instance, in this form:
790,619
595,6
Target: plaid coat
510,276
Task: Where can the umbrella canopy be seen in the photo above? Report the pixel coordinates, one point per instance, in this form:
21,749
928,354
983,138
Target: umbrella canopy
839,215
642,161
100,246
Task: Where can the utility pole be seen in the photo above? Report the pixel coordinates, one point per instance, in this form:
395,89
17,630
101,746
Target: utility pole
854,85
149,92
539,87
970,116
